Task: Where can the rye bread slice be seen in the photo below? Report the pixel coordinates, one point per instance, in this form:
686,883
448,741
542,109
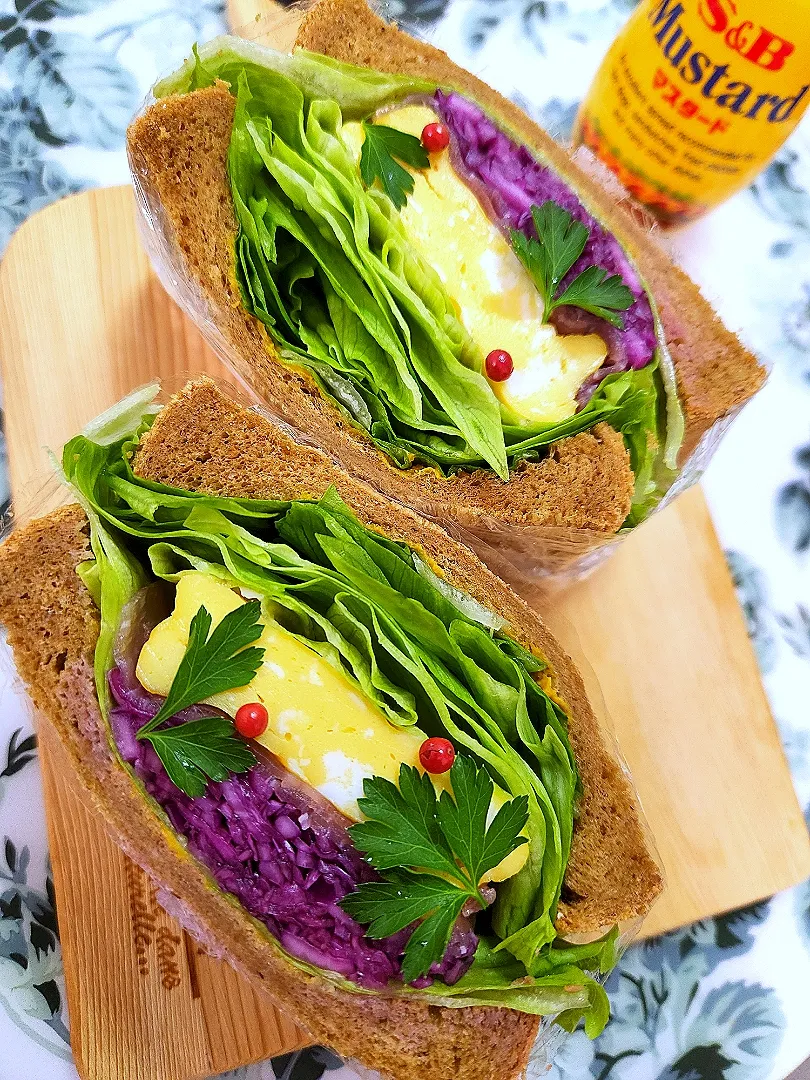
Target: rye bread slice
178,153
204,441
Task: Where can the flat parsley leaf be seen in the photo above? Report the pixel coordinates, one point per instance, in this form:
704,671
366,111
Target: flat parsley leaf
560,242
216,663
200,750
381,146
428,942
402,827
208,748
432,853
389,906
563,240
464,820
594,291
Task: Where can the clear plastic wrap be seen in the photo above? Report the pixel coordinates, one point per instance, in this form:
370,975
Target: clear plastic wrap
520,552
44,496
528,556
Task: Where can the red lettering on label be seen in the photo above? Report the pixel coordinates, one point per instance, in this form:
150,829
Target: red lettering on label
769,51
757,44
737,38
714,15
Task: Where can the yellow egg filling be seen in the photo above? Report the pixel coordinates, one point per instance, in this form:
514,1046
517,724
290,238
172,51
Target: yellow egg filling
323,729
495,298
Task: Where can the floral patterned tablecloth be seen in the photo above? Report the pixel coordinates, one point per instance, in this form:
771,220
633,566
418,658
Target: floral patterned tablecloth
726,998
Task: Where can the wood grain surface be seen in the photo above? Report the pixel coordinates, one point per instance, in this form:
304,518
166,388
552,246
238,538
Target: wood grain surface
661,641
82,321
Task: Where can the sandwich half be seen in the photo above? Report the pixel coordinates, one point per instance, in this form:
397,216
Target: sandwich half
412,273
355,762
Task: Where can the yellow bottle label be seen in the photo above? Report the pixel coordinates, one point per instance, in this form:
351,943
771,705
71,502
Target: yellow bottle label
695,96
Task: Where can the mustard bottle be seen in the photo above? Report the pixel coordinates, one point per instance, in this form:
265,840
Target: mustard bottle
695,97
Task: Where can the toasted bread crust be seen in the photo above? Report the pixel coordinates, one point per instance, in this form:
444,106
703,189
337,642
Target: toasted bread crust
204,441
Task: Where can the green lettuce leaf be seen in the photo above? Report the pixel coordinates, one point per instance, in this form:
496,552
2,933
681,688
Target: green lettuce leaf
360,90
324,264
564,989
114,575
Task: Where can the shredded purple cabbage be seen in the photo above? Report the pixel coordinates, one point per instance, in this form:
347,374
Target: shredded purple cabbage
286,864
509,181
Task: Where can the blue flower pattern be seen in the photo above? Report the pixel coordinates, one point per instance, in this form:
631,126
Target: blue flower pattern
73,73
691,1005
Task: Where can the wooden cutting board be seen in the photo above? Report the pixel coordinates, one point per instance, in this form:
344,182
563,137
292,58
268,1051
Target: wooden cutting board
82,321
